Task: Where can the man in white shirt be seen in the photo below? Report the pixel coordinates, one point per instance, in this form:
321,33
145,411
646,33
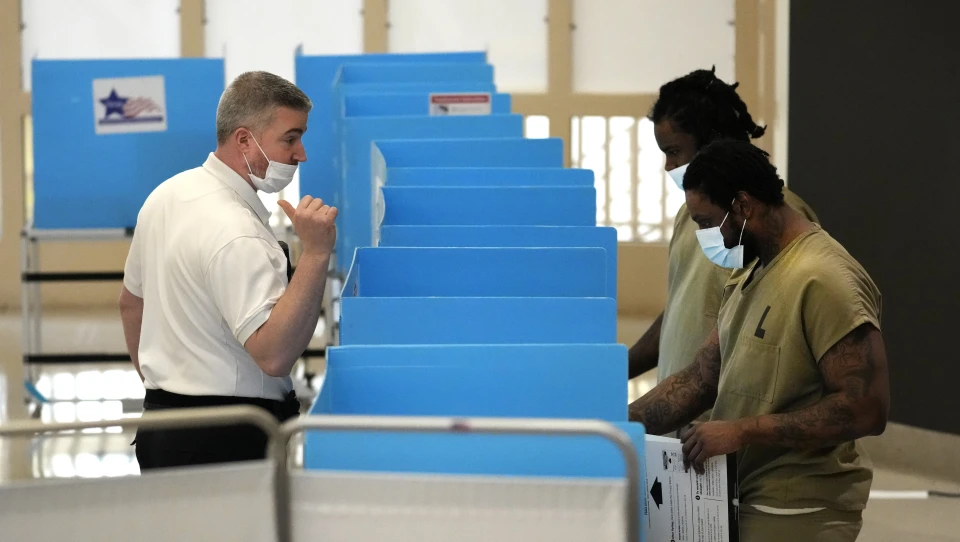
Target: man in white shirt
209,313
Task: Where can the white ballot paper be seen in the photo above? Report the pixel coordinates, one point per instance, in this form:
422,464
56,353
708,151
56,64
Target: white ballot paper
683,506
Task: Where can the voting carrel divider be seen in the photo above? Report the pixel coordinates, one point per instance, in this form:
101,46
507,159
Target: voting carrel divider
492,294
345,91
475,152
494,206
526,380
466,153
83,180
477,320
487,176
508,236
477,272
316,76
357,134
392,103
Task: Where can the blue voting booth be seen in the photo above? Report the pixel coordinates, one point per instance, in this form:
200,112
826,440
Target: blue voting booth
478,272
477,320
316,75
476,282
357,135
495,206
107,132
403,103
509,236
486,176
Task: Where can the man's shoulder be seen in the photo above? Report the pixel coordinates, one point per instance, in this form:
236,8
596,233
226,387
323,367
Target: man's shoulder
798,204
822,259
199,203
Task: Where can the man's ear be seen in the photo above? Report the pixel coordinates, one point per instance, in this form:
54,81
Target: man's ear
744,205
242,137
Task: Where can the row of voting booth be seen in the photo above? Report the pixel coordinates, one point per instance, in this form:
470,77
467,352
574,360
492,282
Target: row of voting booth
475,280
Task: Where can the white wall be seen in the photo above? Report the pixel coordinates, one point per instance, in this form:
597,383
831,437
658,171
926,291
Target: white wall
516,44
73,29
629,46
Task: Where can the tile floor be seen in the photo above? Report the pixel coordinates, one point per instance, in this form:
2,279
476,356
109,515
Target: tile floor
110,391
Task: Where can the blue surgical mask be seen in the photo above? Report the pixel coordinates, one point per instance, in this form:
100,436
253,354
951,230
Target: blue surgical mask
711,241
677,174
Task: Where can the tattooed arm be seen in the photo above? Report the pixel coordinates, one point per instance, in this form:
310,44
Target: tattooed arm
679,399
856,402
855,405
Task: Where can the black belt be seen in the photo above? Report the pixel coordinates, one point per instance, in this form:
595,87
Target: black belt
282,410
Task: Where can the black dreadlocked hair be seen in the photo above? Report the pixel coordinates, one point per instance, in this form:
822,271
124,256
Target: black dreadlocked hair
705,107
727,166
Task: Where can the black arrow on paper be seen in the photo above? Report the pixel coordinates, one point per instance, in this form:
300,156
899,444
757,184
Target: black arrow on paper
657,492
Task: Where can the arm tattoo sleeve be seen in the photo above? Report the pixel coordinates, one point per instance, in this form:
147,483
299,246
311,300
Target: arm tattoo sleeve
679,399
855,396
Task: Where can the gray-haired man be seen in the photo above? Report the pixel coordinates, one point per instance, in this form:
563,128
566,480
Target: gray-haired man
209,313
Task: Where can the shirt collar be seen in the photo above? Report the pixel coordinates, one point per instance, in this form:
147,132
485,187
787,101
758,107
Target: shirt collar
232,179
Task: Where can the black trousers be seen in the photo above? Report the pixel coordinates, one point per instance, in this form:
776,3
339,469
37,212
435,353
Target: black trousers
162,448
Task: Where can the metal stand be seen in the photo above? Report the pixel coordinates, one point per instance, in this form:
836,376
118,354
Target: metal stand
490,426
31,305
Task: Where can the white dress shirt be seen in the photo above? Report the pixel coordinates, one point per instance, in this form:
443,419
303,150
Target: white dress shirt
209,270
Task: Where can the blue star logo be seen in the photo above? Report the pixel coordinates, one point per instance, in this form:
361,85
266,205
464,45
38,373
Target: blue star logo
113,103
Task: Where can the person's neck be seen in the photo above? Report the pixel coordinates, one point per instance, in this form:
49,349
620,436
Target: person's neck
234,160
782,225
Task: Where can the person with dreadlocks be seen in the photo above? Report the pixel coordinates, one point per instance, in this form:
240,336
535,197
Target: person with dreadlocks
691,112
795,369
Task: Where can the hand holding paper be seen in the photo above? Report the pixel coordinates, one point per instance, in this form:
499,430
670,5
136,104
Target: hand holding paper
701,441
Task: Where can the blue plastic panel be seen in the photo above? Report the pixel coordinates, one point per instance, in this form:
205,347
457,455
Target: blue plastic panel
526,380
84,180
495,206
515,152
546,381
590,457
355,223
480,272
477,320
315,76
343,92
393,103
488,176
508,236
413,72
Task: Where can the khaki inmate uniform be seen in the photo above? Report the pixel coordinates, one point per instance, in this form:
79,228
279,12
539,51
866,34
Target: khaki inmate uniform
773,332
694,289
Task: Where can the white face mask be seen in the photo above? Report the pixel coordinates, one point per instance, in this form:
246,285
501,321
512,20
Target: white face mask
677,174
711,241
277,177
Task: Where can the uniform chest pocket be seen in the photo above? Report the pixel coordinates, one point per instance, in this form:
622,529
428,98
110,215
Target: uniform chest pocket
755,371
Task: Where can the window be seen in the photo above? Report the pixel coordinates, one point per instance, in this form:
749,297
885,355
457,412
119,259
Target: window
536,127
634,193
87,395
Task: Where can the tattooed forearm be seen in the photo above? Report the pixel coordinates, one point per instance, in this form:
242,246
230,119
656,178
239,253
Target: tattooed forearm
855,405
682,397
